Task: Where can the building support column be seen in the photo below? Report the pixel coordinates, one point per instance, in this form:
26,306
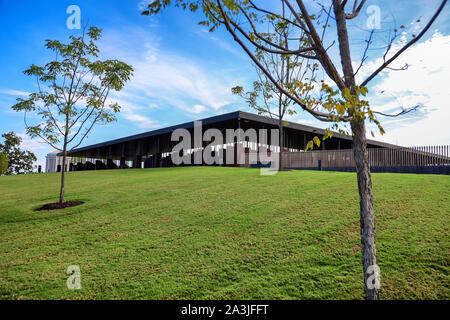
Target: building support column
122,157
137,162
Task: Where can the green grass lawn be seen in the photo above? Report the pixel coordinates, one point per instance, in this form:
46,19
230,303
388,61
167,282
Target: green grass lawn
221,233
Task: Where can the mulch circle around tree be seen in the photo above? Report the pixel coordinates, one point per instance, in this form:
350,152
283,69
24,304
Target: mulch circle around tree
56,206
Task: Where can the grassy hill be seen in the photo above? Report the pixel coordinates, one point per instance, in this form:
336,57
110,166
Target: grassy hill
221,233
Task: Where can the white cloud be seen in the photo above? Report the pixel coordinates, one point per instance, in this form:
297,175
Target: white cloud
38,146
133,112
165,78
198,108
204,33
179,81
142,5
12,92
425,82
142,121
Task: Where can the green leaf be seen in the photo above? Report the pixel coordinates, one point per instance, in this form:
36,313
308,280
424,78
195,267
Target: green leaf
364,90
340,108
316,141
309,145
346,93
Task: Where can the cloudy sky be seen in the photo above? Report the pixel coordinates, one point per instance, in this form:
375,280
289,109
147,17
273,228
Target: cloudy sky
183,72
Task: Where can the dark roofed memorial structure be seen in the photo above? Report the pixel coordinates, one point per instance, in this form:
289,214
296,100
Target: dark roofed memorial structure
155,148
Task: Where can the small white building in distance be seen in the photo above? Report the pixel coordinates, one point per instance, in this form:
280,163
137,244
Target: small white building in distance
53,162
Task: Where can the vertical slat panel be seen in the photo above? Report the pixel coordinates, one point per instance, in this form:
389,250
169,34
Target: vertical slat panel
422,156
378,157
434,155
422,150
439,155
390,157
408,154
431,155
417,155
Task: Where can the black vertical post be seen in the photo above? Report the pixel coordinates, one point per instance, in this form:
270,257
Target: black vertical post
122,157
137,162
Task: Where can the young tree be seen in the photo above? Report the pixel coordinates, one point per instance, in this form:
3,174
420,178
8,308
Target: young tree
72,93
19,161
266,98
4,164
341,102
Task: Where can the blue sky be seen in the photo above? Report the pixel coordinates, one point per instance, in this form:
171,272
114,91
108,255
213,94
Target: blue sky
183,72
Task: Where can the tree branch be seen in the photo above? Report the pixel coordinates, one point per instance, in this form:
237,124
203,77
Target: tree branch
409,44
283,18
404,111
319,115
324,59
355,11
365,52
264,48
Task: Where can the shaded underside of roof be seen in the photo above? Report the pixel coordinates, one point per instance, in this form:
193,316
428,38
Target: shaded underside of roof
238,115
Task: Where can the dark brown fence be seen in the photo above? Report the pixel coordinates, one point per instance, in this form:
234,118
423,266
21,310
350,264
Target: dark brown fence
423,159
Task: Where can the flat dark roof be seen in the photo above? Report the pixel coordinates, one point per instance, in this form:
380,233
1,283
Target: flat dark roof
220,118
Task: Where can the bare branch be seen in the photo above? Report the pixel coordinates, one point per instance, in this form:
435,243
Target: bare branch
282,51
324,59
409,44
55,123
319,115
355,11
88,117
326,23
89,129
283,18
43,138
403,112
365,52
270,43
405,67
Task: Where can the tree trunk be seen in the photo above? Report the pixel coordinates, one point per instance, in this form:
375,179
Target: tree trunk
63,171
367,221
280,159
